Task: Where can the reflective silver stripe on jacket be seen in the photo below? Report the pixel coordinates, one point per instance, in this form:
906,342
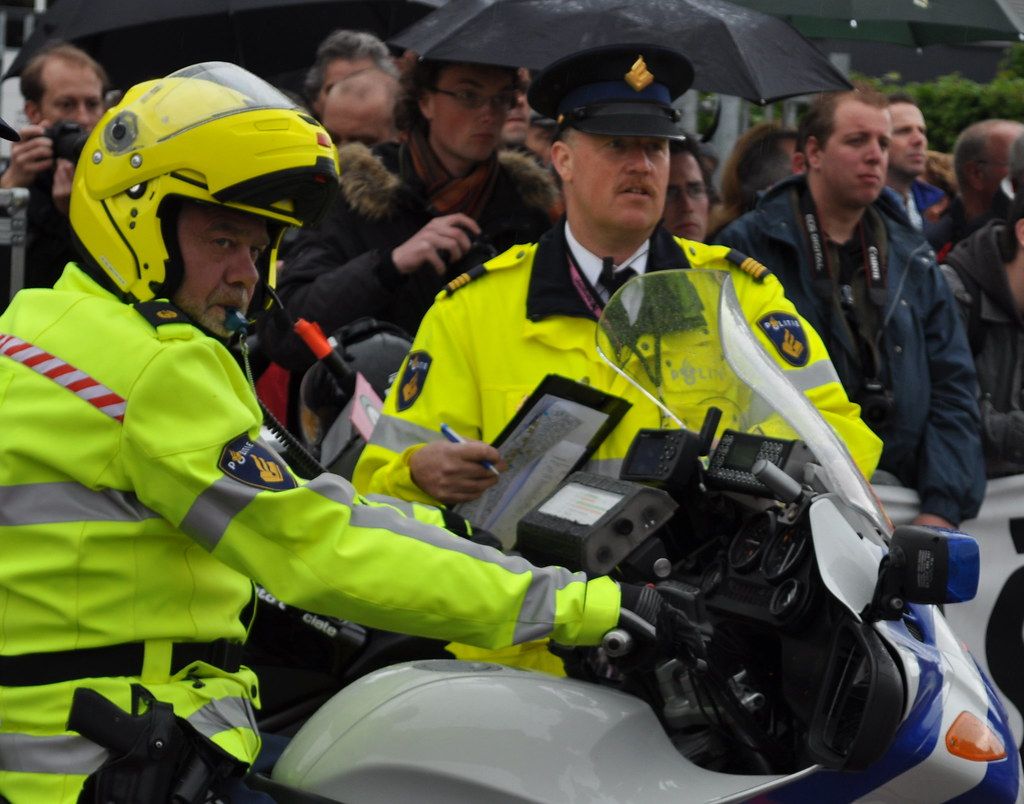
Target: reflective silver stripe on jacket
819,373
224,714
211,513
537,615
45,503
62,753
70,754
404,506
398,434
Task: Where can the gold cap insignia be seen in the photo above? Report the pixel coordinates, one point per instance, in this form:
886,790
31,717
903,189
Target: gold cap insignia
639,77
166,314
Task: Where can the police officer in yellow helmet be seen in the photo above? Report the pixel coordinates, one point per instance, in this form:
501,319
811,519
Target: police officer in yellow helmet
495,333
136,501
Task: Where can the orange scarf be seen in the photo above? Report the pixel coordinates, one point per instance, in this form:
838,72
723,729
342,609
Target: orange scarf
448,194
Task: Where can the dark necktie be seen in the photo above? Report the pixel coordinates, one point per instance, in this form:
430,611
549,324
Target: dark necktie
611,280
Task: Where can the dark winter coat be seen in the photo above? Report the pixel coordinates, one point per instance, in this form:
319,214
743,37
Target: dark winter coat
976,273
931,442
343,270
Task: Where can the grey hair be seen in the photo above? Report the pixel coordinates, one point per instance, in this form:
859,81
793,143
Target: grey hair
1017,162
350,46
972,146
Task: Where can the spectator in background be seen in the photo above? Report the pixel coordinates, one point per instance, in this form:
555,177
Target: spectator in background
686,199
981,158
342,54
869,284
413,216
539,136
61,85
361,107
1015,177
517,121
709,162
762,156
986,274
939,173
908,160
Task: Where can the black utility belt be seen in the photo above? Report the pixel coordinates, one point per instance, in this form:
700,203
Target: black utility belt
36,669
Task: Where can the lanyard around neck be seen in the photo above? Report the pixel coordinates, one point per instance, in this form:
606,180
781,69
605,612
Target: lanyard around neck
876,274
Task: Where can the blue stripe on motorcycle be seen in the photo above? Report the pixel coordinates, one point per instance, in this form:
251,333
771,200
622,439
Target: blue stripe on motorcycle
914,742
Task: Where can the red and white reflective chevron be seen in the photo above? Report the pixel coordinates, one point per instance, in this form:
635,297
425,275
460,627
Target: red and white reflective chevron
78,382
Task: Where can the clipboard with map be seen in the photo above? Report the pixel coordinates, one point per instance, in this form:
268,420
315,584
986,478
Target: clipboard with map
554,432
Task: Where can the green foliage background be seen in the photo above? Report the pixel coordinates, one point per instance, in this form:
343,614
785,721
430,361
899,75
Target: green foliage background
952,102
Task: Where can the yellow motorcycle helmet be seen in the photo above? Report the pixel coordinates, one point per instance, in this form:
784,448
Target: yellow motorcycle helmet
212,133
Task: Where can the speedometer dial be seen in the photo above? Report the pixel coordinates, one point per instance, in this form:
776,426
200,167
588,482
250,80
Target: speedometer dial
745,549
784,554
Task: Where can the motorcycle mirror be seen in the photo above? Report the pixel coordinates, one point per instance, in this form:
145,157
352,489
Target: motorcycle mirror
926,565
706,439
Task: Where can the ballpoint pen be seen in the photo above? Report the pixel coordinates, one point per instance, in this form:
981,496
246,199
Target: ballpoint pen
455,438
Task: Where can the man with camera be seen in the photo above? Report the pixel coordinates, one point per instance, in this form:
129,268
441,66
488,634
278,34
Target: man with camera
868,282
415,215
63,89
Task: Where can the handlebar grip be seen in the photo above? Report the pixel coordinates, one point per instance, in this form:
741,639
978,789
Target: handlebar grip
617,643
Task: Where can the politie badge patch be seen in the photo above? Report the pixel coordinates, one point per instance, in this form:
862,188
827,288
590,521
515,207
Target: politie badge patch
787,335
252,463
413,379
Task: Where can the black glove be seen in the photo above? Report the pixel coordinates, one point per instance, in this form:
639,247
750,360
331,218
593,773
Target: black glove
645,613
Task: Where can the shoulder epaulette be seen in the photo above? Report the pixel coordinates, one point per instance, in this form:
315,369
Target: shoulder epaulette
159,312
508,259
747,264
464,279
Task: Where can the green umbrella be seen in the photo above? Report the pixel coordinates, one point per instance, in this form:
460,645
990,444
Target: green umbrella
915,23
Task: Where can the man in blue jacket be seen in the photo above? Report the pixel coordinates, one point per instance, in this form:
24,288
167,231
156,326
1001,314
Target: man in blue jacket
869,284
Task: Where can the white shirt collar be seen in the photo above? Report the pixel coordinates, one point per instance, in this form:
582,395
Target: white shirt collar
590,264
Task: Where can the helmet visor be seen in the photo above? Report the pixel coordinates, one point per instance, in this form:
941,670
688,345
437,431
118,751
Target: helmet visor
169,105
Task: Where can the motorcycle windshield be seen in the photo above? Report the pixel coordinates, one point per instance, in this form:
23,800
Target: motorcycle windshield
681,337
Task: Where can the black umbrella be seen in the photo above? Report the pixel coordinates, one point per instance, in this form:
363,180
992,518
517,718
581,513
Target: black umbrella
136,41
734,50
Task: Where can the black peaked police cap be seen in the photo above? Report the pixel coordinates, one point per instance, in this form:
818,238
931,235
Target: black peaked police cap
617,90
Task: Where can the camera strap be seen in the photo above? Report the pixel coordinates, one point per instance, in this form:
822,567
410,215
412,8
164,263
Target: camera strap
839,292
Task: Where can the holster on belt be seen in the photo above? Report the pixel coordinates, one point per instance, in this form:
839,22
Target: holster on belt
154,754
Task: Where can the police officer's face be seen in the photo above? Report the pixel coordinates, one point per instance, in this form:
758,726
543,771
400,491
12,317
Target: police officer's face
460,135
220,248
71,92
614,184
848,171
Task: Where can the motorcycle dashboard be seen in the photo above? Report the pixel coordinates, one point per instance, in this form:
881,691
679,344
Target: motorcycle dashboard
766,574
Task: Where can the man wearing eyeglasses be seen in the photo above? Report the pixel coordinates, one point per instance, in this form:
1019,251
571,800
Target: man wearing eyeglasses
62,84
686,200
415,215
981,158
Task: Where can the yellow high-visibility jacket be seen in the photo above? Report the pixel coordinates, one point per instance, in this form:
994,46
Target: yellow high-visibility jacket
136,504
483,348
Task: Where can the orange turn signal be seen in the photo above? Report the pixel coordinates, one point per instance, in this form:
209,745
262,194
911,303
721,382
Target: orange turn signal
971,739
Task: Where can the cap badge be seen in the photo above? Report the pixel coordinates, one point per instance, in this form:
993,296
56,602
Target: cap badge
639,77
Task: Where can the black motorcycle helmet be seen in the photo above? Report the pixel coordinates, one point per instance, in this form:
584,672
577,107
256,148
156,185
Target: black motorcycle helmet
367,346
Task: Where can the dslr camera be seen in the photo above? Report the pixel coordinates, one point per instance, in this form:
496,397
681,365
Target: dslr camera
68,139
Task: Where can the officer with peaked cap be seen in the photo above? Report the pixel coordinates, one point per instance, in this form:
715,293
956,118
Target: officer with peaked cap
496,332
